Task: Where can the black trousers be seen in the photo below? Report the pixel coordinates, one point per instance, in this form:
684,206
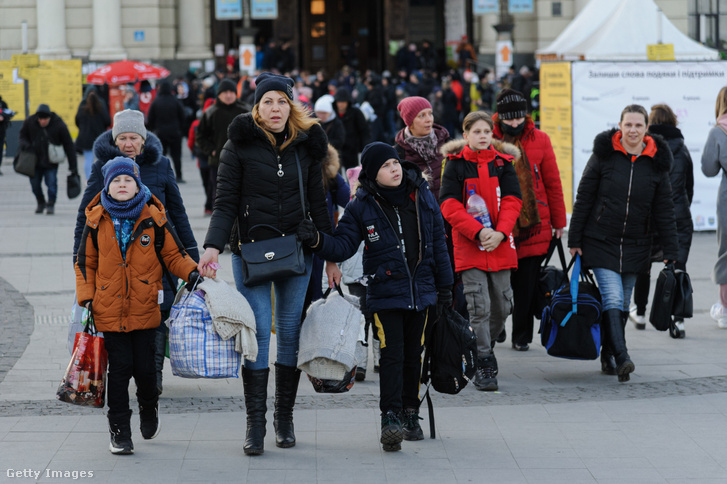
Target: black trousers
130,354
401,333
204,172
524,281
173,146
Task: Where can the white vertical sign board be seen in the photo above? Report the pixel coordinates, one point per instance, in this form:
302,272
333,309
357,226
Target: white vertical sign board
602,89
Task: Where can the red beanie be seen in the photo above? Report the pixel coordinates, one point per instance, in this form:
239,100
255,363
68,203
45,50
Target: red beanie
409,107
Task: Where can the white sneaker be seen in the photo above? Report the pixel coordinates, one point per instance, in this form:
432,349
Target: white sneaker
638,319
717,311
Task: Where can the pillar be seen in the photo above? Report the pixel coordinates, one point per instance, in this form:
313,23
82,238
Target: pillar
107,45
51,30
191,31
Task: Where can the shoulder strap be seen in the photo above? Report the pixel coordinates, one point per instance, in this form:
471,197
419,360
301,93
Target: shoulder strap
159,235
300,183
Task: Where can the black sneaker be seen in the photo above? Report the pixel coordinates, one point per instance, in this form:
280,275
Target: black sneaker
391,432
120,441
149,422
485,377
360,374
410,424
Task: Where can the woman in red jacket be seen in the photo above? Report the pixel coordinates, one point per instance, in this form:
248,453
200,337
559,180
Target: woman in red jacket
542,216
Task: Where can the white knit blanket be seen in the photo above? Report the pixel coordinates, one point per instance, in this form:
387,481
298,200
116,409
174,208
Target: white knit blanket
231,315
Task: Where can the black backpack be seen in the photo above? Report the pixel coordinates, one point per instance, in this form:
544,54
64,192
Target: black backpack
450,359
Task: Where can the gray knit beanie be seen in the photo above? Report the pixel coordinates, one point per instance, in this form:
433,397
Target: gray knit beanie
129,121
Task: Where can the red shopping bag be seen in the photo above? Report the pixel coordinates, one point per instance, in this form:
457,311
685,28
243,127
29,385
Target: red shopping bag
85,380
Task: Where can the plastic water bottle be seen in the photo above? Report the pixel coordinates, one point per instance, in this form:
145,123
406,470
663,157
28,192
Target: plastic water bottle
477,207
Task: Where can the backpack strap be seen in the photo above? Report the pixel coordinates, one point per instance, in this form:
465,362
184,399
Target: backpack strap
159,235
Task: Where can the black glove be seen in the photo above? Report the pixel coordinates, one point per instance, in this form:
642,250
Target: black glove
444,297
307,233
194,279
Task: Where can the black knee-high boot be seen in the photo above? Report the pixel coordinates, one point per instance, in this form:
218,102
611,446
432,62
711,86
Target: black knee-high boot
615,322
255,384
608,362
286,388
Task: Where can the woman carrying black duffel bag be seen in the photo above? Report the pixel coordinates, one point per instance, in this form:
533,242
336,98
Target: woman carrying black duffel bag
624,191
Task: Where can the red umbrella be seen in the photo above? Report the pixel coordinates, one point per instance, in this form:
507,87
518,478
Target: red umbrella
125,71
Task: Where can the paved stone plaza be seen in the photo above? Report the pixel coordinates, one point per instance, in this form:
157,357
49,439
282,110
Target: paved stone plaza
553,420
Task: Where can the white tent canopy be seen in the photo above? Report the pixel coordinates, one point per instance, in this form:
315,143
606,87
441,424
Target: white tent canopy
620,30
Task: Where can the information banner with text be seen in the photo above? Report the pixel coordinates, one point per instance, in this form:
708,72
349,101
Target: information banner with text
556,119
602,89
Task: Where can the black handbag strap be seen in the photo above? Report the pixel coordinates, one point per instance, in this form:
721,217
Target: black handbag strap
555,243
586,274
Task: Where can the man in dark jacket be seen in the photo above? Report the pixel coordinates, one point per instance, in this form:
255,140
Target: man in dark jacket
212,129
38,131
166,120
357,129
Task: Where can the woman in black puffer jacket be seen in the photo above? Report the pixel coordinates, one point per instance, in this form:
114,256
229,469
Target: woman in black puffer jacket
257,183
663,121
624,198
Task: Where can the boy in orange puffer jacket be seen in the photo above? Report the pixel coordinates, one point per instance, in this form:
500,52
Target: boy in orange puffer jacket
119,279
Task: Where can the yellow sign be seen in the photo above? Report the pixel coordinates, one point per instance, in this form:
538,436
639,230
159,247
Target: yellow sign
660,52
11,90
556,120
57,83
25,60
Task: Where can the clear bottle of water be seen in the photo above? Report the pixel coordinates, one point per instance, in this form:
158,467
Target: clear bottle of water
477,207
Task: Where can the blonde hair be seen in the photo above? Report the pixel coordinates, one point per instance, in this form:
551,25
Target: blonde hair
475,116
299,120
721,106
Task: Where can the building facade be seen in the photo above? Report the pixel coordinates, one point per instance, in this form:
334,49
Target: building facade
323,33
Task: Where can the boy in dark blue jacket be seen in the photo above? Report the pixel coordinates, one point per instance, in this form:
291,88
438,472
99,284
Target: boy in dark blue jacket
407,268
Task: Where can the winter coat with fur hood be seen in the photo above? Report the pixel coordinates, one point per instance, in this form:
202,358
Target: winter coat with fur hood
491,174
125,292
619,198
547,190
250,191
157,174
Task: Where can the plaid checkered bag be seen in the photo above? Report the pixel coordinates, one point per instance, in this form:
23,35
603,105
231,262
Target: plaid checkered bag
195,349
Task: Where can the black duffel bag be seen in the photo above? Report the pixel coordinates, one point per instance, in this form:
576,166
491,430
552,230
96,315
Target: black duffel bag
570,326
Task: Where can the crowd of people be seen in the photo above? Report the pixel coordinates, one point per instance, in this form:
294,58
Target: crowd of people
391,145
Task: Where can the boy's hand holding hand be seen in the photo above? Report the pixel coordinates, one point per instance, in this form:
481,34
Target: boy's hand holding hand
483,234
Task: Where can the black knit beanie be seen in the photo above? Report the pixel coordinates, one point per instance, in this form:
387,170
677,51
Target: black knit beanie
272,82
511,104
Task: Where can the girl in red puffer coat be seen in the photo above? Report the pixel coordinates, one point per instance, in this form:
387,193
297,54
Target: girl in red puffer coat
484,256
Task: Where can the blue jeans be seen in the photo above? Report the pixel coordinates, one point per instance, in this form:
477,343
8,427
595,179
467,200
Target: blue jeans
289,299
51,181
615,288
87,162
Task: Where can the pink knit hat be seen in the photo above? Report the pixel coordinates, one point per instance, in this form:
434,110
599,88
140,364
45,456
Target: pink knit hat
409,107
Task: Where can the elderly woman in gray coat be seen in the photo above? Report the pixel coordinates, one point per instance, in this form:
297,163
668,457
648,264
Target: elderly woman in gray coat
714,161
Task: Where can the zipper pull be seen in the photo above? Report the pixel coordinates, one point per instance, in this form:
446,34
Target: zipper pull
280,168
